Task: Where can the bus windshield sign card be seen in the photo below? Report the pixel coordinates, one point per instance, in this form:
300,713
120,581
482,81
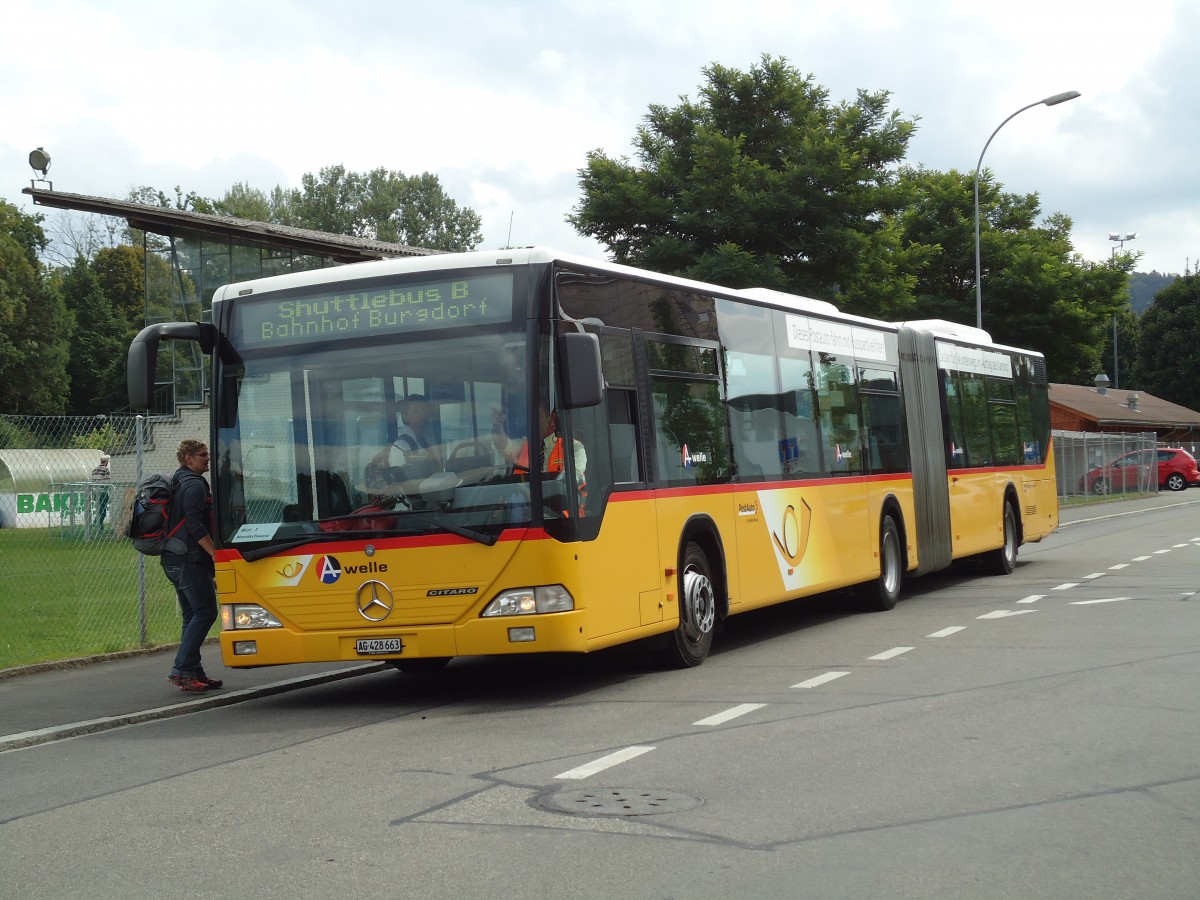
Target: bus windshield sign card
380,309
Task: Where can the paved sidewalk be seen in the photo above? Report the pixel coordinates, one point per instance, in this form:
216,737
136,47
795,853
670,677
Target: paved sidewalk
1104,509
45,703
52,702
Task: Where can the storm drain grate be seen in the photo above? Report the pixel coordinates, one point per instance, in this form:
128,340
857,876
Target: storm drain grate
618,802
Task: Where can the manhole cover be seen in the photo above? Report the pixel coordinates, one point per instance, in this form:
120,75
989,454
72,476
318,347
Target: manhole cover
618,802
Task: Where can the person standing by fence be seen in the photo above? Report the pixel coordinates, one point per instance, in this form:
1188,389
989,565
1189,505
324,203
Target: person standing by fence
191,573
101,479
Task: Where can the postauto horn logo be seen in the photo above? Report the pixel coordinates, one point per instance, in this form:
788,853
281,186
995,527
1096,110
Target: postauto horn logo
329,569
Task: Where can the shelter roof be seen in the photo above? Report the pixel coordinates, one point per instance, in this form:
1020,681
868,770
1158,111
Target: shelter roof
1114,407
163,220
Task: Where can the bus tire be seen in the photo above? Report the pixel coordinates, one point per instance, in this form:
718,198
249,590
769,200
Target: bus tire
881,594
424,666
688,645
1003,559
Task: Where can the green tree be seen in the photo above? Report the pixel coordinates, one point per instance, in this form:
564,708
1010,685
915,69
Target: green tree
762,181
121,274
1037,292
98,342
34,323
244,202
1169,349
381,204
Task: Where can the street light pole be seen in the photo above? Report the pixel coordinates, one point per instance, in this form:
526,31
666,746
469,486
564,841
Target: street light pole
1119,238
1048,101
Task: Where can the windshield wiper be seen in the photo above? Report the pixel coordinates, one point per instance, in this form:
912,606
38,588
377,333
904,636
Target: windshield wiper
314,537
263,552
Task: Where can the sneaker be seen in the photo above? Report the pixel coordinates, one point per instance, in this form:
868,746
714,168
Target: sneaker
188,683
211,682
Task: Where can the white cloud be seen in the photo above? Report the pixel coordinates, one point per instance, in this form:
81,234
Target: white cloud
503,101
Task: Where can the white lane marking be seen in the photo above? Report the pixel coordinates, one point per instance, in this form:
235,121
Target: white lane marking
1105,600
1067,586
1119,566
732,713
946,632
1177,546
891,654
1033,598
604,762
820,680
1160,552
1140,558
1005,613
1093,575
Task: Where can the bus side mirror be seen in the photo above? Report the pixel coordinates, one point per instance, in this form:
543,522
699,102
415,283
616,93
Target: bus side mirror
582,377
142,360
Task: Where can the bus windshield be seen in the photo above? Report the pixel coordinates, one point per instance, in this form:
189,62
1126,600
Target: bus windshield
377,437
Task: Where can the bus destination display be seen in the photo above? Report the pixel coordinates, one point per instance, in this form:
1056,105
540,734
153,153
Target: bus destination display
374,310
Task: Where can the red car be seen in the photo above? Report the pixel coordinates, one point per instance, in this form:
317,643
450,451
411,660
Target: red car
1132,472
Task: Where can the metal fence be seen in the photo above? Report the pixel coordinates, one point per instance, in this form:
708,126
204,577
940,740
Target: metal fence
71,584
1093,467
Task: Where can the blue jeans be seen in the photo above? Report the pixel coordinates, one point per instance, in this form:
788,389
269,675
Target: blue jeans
197,595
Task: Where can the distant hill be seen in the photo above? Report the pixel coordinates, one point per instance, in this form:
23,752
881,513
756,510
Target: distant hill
1144,285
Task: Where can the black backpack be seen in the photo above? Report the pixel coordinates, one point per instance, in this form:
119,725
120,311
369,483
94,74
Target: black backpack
149,519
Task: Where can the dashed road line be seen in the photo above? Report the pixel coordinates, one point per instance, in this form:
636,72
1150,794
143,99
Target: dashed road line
1140,558
604,762
1005,613
1104,600
1066,587
1033,598
891,654
1094,575
1119,566
820,680
946,632
722,717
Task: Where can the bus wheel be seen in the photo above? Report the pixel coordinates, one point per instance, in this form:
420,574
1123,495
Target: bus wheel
688,645
419,666
1004,559
881,594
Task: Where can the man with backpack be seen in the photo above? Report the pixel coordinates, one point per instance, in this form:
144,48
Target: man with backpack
191,571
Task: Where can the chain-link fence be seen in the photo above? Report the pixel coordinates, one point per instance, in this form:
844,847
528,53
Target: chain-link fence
71,584
1094,466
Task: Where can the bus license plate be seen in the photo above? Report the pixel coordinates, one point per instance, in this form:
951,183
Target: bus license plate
377,646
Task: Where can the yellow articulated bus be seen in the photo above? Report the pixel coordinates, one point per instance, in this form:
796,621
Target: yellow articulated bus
521,452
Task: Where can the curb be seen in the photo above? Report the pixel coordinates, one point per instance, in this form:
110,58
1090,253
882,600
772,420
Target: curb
26,739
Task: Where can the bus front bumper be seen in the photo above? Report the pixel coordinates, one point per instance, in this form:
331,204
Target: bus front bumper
546,633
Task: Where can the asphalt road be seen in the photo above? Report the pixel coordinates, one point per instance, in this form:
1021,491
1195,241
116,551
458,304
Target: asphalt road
1027,736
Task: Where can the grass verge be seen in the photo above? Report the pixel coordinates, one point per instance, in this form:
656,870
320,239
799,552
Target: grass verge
62,597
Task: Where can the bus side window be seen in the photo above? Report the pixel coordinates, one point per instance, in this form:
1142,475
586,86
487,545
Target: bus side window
882,418
837,399
956,445
622,433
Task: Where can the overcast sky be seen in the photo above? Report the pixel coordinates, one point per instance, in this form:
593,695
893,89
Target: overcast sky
502,101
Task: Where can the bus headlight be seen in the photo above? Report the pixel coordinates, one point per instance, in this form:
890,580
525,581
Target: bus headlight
246,615
545,598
